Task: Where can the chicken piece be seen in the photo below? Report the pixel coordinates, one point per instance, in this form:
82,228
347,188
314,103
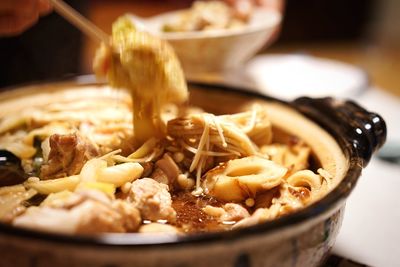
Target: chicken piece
160,176
234,212
95,217
152,199
131,216
259,216
158,228
86,212
228,213
68,154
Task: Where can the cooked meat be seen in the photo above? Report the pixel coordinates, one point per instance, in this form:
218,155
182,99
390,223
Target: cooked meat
214,211
160,176
48,219
158,228
234,212
68,154
259,216
95,217
228,213
84,212
131,216
152,199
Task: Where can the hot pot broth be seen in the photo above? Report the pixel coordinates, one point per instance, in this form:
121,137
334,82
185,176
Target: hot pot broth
109,185
75,163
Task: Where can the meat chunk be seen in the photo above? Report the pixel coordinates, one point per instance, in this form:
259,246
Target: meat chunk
234,212
68,154
259,216
160,176
85,212
228,213
96,217
152,199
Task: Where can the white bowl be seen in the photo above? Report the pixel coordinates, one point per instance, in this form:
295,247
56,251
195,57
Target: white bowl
202,52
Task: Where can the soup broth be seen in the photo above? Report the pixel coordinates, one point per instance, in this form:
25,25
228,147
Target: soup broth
76,161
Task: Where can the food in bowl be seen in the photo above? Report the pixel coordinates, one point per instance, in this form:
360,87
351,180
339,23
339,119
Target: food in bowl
207,16
208,173
83,167
341,136
252,174
214,51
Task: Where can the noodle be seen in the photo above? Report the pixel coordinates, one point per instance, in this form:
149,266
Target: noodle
90,163
227,158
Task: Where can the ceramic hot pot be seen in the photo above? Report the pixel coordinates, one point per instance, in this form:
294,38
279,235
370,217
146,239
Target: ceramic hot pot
302,238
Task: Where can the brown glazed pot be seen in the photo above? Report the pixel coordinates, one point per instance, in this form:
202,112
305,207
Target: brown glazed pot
300,239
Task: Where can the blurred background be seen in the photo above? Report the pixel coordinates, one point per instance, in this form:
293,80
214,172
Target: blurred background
365,33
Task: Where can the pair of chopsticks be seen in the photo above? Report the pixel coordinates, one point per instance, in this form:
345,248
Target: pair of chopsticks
80,21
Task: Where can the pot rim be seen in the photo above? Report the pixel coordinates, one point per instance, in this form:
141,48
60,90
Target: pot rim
135,240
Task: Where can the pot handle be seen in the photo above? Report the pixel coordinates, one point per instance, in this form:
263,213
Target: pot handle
359,130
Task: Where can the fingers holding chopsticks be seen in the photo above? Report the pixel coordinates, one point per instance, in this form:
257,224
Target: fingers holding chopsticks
16,16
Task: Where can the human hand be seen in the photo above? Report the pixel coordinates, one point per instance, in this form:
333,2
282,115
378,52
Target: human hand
16,16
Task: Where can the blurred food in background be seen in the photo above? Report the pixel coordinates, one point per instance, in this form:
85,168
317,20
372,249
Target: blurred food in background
207,16
205,47
359,32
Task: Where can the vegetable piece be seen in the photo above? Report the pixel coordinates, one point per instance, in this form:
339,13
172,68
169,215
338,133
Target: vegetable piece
91,169
96,170
107,188
120,174
53,185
